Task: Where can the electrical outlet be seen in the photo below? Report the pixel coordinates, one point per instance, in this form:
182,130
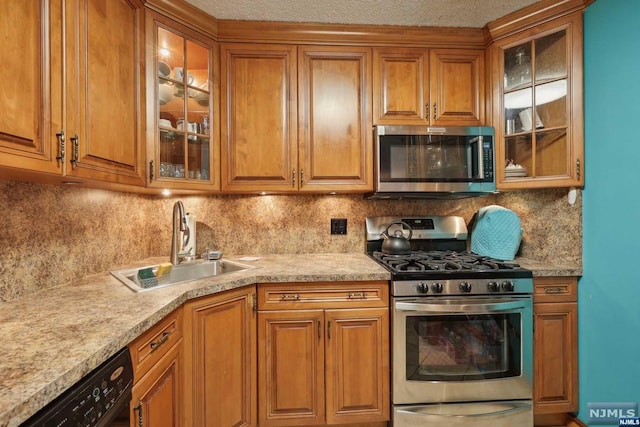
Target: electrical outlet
338,225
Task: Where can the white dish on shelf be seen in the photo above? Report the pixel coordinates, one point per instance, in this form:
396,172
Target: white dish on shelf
515,172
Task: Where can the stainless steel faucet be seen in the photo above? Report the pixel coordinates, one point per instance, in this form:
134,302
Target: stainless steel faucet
179,225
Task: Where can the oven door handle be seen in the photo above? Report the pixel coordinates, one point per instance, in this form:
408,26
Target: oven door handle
420,411
449,306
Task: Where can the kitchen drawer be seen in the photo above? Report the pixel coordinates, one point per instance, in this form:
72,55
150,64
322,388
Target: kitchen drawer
555,289
296,296
149,347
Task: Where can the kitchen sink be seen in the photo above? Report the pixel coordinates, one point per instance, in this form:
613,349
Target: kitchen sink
181,273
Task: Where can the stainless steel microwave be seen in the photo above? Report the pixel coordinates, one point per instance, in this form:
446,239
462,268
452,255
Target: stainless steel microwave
433,162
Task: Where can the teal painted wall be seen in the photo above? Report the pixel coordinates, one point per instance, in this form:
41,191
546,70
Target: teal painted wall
609,291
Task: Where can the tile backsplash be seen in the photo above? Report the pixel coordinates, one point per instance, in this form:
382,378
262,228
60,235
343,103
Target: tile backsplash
55,234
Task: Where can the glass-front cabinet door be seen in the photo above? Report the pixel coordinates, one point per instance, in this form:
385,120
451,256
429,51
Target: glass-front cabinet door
182,155
540,116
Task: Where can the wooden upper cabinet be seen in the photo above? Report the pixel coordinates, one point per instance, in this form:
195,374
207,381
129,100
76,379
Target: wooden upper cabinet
295,119
104,130
335,136
538,106
259,148
420,87
73,108
457,87
182,106
30,97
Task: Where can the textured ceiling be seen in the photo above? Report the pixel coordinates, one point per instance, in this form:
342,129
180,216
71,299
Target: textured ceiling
429,13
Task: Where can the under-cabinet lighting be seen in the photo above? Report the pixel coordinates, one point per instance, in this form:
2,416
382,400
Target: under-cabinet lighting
164,52
166,192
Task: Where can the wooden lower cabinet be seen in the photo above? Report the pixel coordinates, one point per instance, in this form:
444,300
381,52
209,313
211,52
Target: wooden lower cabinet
319,361
220,360
357,365
555,348
156,398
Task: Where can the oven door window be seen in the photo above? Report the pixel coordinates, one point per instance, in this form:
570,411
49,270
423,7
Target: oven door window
427,158
463,347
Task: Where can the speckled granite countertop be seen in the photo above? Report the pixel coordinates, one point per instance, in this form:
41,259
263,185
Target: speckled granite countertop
543,269
51,339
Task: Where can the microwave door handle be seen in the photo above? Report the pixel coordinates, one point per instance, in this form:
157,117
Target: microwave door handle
485,307
517,407
480,154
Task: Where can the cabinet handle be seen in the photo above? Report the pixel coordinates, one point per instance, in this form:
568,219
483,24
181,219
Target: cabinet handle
426,113
290,297
329,329
254,301
301,176
61,142
293,179
555,291
435,110
75,157
151,176
138,409
578,171
161,340
357,295
319,330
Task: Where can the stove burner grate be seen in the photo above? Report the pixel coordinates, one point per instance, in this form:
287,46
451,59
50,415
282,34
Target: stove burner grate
420,261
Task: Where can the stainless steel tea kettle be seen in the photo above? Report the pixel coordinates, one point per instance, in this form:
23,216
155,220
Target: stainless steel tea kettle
397,244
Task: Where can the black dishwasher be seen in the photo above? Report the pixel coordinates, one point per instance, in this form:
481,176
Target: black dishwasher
94,401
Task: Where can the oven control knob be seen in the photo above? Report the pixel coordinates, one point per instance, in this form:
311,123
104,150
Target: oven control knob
493,287
465,287
437,288
507,286
422,288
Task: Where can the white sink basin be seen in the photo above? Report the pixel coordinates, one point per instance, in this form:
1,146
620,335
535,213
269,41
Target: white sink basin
179,273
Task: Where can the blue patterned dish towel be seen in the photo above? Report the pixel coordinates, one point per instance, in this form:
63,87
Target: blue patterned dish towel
496,233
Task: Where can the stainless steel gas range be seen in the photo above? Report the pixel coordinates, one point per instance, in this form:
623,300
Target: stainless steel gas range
462,326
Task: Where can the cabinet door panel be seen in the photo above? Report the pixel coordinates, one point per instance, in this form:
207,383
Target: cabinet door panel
457,87
104,91
221,365
400,86
182,106
259,121
156,398
291,368
537,82
30,92
556,358
357,365
335,119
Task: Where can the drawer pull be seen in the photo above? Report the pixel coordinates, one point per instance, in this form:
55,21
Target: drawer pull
161,340
290,297
555,291
357,295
